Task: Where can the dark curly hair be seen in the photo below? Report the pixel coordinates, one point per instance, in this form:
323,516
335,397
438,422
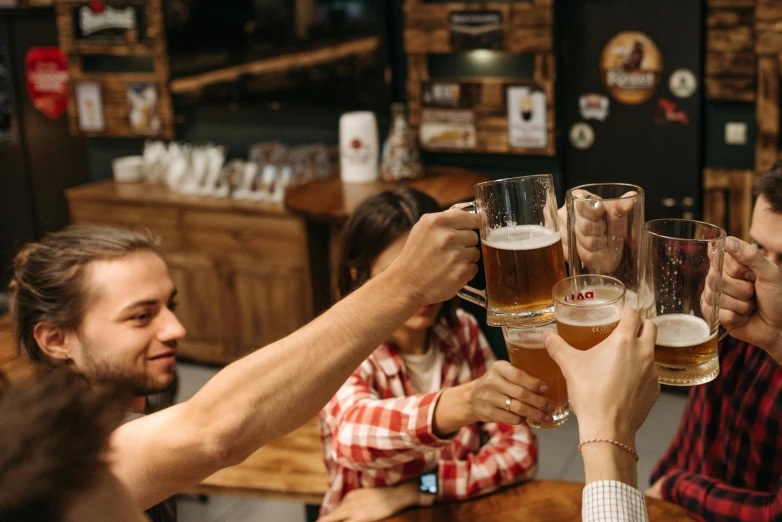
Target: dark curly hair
54,429
769,185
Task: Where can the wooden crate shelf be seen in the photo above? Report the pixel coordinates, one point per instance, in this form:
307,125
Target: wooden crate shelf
114,85
527,28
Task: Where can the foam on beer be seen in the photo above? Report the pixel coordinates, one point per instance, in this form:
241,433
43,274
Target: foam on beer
680,330
589,316
522,237
530,340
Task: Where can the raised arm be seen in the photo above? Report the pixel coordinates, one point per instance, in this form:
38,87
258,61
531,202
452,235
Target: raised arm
279,387
612,387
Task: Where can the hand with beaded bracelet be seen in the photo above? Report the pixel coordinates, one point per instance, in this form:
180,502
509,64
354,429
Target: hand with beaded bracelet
611,387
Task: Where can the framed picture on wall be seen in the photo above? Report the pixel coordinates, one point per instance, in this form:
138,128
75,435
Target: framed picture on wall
89,106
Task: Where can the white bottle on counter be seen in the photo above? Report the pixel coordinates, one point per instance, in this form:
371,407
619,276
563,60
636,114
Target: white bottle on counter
358,147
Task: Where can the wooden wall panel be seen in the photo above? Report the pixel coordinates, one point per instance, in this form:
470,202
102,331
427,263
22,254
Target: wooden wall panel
767,113
727,200
730,45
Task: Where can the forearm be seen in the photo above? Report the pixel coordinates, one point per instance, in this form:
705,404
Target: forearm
508,457
453,410
279,387
605,461
711,499
361,440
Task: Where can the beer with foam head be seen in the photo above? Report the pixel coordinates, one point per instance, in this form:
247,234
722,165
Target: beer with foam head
588,308
528,353
522,263
683,341
584,328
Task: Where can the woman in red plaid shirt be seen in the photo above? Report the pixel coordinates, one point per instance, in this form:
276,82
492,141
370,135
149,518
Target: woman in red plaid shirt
429,400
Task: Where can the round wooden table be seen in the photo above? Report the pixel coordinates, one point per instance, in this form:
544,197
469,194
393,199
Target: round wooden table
535,501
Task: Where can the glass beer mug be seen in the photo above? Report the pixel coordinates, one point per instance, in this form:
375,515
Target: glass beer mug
522,249
678,255
604,232
527,352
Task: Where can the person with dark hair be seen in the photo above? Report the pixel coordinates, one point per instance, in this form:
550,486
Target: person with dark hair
54,430
100,300
431,404
725,462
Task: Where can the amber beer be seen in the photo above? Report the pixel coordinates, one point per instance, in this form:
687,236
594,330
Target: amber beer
528,353
522,263
584,328
683,341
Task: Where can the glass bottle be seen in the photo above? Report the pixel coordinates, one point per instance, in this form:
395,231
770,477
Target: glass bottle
401,158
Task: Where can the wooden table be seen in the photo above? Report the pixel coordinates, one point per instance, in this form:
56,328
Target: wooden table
326,205
536,501
290,468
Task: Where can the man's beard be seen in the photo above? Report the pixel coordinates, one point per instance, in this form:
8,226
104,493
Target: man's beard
107,373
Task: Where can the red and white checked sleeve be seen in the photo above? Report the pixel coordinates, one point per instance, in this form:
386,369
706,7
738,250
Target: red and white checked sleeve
613,501
371,433
509,456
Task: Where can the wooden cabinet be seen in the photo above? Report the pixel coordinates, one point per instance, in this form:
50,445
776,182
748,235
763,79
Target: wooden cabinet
241,268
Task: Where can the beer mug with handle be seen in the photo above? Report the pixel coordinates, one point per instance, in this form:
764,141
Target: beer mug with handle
604,222
522,249
677,256
527,352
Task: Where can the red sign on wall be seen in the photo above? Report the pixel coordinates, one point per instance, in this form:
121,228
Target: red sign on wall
47,80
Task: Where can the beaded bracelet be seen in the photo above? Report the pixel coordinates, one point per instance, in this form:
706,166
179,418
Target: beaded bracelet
625,447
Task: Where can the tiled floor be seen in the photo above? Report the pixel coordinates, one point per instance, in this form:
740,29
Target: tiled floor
559,459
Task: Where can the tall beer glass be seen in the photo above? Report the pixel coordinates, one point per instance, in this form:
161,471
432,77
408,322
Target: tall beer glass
588,308
522,249
678,254
604,232
527,352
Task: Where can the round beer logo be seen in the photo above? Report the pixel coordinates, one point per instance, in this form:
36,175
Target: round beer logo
683,83
631,66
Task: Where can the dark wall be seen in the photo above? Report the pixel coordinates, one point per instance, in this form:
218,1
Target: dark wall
43,159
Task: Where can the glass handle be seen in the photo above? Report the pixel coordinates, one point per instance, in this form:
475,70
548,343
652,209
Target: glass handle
469,293
722,333
473,295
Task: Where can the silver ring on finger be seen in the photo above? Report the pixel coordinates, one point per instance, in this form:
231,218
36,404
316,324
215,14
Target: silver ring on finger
508,403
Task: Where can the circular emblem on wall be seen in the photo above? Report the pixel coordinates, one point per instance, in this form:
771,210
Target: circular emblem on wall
631,66
682,83
582,136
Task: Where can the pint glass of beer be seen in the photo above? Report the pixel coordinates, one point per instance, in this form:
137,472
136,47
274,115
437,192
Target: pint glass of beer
677,255
604,232
522,249
588,308
527,352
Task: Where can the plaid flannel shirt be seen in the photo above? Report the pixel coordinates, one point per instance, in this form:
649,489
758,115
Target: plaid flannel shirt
377,431
612,501
725,462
